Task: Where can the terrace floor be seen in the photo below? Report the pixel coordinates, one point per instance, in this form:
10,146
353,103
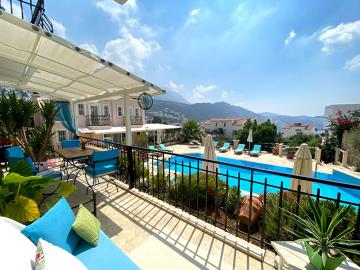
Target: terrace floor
156,235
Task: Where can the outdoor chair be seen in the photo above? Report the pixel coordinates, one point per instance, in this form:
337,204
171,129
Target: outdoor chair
216,143
102,163
240,149
256,151
164,148
16,153
225,147
70,144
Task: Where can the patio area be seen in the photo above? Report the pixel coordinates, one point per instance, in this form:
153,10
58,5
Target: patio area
156,235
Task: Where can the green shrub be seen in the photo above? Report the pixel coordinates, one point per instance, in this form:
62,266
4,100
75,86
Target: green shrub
289,203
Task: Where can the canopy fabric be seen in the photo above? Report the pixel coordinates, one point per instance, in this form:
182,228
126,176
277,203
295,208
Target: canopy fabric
35,60
65,116
209,153
302,166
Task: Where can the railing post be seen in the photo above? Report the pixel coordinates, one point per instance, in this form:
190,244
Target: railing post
131,172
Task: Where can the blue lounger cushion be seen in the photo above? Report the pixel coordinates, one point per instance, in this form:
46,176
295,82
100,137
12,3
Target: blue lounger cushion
70,144
106,255
55,227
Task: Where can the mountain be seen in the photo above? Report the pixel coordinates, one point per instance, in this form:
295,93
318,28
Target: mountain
281,120
199,111
172,95
176,112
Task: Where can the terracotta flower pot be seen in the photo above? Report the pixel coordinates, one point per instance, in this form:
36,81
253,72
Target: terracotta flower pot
257,208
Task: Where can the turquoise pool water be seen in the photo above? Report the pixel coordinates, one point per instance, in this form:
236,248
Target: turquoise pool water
349,195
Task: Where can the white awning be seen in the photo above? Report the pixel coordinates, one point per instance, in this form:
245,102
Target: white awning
122,129
35,60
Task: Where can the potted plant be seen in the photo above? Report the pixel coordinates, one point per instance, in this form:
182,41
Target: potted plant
275,149
290,152
324,247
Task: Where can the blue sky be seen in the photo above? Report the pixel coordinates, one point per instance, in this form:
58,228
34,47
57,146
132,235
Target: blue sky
287,57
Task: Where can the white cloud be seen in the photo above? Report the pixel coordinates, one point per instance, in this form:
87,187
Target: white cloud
16,9
129,52
353,64
89,47
117,12
59,29
135,43
200,91
192,17
176,87
342,34
225,94
290,37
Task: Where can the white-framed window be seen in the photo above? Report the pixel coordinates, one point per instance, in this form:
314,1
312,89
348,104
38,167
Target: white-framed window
61,135
94,110
137,112
107,138
120,111
106,109
81,109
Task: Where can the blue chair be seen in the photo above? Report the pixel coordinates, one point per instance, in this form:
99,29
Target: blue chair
240,149
256,150
70,144
16,153
102,163
225,147
164,148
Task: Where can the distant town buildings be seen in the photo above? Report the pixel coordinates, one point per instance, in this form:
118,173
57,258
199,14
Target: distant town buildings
332,110
296,128
224,126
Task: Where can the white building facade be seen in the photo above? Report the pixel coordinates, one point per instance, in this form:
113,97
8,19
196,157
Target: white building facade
297,128
226,126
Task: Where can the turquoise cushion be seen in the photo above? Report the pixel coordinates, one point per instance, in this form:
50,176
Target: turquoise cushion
55,227
101,169
106,255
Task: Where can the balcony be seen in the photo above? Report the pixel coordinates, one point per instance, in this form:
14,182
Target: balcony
135,120
34,13
98,120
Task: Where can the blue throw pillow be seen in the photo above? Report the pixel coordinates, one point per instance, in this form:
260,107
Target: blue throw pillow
55,227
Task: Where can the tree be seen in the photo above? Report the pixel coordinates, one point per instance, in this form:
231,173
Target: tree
159,120
191,129
263,133
16,117
343,122
298,139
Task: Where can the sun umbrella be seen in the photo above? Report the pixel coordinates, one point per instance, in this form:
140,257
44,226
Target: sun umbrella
209,153
302,166
250,138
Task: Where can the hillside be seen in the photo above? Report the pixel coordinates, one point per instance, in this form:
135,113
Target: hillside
177,112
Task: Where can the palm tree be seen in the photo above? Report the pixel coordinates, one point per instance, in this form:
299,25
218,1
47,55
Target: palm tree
191,129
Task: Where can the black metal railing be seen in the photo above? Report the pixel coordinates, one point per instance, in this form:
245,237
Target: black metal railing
31,10
219,194
98,120
135,120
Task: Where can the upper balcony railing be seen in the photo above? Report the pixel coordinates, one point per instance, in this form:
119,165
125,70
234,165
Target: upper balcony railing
136,120
98,120
31,10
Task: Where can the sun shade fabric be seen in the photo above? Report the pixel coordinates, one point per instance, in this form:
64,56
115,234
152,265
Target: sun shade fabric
65,116
34,60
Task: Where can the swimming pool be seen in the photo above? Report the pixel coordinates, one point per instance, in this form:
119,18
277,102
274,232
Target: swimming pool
347,194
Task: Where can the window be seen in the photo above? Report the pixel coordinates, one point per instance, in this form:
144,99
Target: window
81,109
120,111
107,138
137,114
224,124
106,110
93,110
61,135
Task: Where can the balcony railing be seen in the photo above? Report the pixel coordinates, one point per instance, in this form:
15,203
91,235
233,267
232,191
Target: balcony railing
98,120
31,10
135,120
218,195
